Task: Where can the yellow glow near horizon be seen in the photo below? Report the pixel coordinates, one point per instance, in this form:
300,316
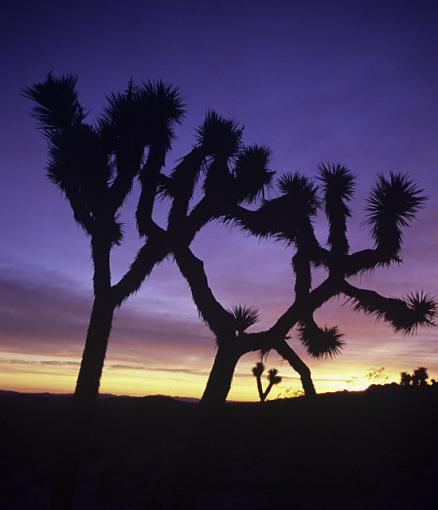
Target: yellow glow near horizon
59,376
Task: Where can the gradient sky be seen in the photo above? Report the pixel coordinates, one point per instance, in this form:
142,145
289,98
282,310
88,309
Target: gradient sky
350,82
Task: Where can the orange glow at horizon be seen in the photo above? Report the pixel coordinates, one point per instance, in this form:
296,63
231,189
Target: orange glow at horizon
57,375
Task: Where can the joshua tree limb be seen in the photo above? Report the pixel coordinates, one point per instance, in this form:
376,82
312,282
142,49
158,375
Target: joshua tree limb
316,298
155,250
286,352
232,343
403,315
219,320
94,167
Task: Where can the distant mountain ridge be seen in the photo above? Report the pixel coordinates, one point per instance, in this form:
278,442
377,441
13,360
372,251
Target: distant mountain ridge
101,396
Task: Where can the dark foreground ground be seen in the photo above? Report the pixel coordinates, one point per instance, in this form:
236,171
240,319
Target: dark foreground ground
373,450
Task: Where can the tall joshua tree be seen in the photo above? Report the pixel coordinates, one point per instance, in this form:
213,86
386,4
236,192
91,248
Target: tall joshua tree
95,167
392,204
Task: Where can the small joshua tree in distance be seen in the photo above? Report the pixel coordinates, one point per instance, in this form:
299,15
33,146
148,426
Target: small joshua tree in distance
257,371
272,377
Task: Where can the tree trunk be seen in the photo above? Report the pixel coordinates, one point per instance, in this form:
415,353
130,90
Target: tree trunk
260,389
268,389
87,386
284,350
221,375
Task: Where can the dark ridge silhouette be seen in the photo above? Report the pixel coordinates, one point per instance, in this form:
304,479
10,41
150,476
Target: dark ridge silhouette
392,204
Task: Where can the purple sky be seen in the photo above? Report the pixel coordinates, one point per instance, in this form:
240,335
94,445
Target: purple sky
316,81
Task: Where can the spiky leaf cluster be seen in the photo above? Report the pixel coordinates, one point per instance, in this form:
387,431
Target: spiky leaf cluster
284,217
78,162
251,172
320,342
406,316
244,317
143,115
299,189
57,103
337,181
392,205
338,188
219,136
273,377
95,165
258,369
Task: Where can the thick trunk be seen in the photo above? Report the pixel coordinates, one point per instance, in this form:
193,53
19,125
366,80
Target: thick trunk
284,350
221,375
87,386
99,327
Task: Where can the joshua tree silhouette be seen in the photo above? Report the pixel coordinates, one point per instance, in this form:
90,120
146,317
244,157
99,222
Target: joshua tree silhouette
257,372
272,377
95,166
392,204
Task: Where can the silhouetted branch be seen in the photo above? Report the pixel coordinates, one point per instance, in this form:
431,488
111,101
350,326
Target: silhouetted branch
286,352
320,342
406,316
149,179
303,275
297,310
181,184
338,186
151,253
393,204
219,320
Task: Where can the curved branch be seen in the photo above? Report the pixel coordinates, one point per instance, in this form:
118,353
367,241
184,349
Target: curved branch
151,253
182,183
286,352
406,316
316,298
219,320
149,179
